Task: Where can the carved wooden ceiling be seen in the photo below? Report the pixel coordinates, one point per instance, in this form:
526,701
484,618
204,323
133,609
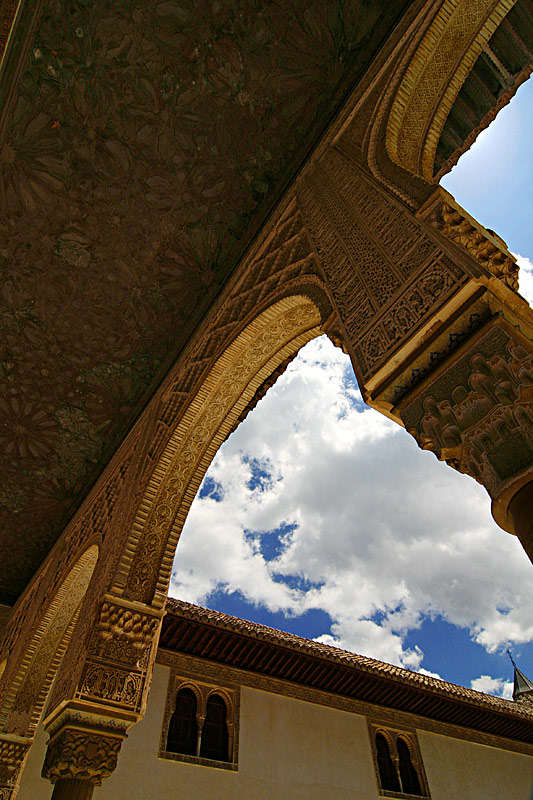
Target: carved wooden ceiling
146,143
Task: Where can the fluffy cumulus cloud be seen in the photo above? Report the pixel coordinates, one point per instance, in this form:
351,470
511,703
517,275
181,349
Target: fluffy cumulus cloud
493,686
318,502
525,277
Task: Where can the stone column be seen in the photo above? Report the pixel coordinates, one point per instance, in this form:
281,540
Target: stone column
73,789
94,704
78,760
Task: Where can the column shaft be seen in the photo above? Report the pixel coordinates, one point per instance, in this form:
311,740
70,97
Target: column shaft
73,789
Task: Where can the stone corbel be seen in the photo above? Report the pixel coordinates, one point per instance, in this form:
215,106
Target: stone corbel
485,246
119,659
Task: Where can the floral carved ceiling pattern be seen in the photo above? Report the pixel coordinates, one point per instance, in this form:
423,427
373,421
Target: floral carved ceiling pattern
146,144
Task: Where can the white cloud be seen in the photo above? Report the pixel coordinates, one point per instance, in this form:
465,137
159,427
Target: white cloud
430,674
382,532
525,277
496,686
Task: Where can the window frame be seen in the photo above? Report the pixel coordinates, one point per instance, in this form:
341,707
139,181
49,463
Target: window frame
203,690
391,735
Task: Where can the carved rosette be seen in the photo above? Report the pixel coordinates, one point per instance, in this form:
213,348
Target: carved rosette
12,757
485,247
477,412
82,755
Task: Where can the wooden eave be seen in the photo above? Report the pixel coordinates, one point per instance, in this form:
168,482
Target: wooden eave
255,648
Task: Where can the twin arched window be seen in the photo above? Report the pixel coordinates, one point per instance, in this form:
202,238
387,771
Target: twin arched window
397,773
193,734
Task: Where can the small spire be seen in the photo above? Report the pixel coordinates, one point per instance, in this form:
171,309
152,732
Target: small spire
523,688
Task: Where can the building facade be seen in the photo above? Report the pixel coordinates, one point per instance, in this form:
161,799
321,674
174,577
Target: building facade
280,735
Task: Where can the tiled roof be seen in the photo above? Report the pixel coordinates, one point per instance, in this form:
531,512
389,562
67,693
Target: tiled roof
334,655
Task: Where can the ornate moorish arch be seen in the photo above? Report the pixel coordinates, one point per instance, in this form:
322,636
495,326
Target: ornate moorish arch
22,705
434,77
109,689
267,341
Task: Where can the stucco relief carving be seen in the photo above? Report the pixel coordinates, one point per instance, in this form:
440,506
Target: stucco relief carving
12,757
84,755
119,657
434,78
232,382
484,246
478,414
118,624
385,271
27,689
111,684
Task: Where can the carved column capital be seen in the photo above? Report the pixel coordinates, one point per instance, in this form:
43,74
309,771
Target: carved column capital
118,662
13,752
81,755
475,411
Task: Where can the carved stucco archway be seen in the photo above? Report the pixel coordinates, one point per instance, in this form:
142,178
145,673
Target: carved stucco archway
23,701
434,77
273,336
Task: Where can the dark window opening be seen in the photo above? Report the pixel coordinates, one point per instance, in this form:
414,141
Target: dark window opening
215,730
182,730
387,773
408,774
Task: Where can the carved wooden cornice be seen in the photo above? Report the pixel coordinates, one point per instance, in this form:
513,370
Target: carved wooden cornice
262,651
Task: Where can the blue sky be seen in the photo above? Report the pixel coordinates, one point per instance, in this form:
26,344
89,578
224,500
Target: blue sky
321,517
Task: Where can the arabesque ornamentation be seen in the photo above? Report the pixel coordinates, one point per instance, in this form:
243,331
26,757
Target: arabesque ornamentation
274,335
82,755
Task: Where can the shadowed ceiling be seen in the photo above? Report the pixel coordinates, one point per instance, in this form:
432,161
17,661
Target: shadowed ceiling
146,143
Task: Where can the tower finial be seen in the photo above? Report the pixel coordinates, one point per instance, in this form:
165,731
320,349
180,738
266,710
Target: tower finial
523,687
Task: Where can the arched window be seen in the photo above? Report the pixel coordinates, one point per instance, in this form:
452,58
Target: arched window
215,730
388,776
408,774
183,730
